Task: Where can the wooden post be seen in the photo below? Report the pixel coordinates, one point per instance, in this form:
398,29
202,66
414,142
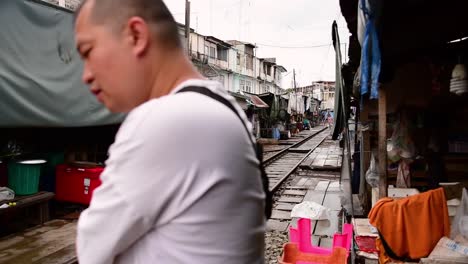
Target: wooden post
365,159
382,142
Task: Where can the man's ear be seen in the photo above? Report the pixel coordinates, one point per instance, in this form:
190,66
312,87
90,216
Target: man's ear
138,34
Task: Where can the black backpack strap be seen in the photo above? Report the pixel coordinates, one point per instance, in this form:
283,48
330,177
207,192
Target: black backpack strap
258,148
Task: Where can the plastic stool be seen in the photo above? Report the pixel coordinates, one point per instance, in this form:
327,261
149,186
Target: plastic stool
292,255
301,236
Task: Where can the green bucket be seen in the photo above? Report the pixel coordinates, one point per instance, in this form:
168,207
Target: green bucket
23,176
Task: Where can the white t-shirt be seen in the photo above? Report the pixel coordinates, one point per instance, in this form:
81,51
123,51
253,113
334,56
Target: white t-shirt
181,185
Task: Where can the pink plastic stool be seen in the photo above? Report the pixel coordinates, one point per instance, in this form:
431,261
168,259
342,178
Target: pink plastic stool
292,255
301,236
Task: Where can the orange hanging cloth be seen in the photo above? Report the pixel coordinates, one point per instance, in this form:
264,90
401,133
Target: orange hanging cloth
410,228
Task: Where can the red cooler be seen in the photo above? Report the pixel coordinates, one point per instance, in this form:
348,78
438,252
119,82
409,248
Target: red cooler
75,183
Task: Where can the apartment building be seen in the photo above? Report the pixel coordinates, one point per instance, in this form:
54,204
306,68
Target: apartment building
234,64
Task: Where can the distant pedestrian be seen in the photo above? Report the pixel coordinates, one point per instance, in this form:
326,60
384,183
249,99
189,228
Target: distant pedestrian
329,120
306,123
169,194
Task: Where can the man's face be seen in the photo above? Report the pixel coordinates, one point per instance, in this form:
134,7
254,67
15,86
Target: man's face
111,68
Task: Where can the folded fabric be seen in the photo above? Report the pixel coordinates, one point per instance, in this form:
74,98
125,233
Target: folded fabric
410,228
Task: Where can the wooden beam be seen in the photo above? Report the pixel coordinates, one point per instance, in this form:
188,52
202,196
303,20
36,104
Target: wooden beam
365,159
382,142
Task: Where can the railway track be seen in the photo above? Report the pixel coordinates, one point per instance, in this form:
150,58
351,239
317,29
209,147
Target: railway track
282,164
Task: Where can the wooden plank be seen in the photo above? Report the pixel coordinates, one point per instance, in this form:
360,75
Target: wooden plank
280,215
43,244
63,256
297,188
382,142
284,206
330,163
295,192
365,190
314,196
299,150
310,183
25,201
302,181
318,162
290,199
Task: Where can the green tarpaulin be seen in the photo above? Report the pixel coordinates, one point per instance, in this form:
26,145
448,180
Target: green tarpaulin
40,70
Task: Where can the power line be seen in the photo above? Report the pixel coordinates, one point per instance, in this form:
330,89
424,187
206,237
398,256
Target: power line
325,61
297,47
294,47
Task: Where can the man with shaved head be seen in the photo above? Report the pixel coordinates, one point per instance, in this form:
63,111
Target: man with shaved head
170,193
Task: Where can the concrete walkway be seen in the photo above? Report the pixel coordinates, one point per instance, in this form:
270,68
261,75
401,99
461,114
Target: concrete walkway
318,180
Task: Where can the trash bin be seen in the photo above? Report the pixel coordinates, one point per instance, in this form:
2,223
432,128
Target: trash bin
47,181
23,176
3,174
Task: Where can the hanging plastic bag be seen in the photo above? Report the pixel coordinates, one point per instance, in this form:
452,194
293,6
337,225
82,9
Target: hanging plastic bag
460,221
6,194
401,145
310,210
372,174
404,175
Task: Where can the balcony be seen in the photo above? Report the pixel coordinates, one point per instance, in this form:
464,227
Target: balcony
222,64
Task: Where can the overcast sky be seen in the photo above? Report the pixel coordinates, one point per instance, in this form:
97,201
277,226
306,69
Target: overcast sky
279,23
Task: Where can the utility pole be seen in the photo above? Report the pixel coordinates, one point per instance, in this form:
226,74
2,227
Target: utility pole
294,78
187,25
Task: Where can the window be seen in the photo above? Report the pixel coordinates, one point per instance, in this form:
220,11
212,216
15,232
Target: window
242,85
248,86
267,69
207,50
222,54
238,58
249,62
212,52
